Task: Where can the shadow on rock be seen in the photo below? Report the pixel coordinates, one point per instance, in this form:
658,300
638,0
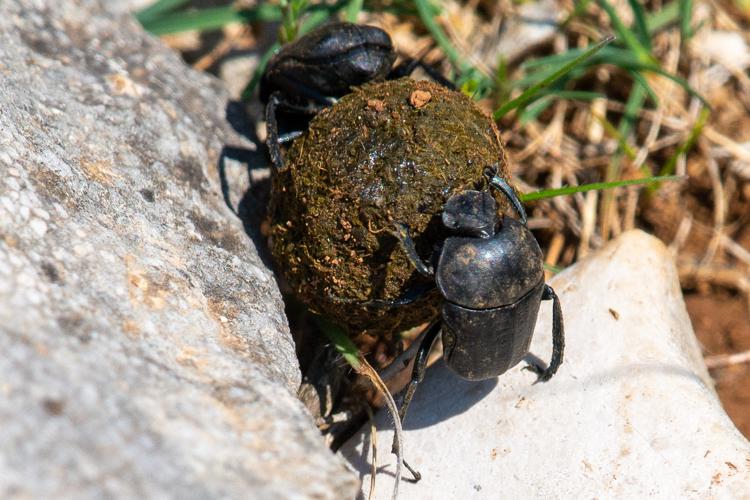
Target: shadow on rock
442,395
252,186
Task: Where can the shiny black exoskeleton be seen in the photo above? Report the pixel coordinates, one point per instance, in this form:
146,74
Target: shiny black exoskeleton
314,71
491,275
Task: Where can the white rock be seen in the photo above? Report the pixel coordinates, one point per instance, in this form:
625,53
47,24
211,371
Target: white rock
631,413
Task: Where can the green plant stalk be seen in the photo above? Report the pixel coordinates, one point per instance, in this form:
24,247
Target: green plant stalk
292,10
629,38
532,92
341,342
595,186
353,9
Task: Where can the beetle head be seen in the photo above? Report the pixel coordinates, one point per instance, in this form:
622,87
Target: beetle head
471,213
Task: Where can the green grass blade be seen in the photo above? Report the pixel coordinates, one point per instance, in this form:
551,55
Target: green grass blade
632,111
210,18
612,131
470,77
596,186
578,10
626,34
686,14
158,8
668,15
641,29
695,132
247,92
341,342
529,94
641,80
675,78
533,110
427,13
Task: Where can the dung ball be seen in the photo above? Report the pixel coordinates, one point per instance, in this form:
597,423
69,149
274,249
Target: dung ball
388,152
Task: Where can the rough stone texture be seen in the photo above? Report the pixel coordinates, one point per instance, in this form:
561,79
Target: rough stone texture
630,414
144,348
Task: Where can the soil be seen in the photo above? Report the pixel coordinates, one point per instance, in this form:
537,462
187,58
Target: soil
720,322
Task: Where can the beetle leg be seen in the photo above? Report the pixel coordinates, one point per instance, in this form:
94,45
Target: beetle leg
420,365
292,87
501,185
412,295
417,375
402,233
408,65
289,136
558,340
272,131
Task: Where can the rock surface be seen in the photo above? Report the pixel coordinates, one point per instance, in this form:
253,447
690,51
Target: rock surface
144,348
630,414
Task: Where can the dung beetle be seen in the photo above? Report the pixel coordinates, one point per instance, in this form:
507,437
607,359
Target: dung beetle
491,276
311,73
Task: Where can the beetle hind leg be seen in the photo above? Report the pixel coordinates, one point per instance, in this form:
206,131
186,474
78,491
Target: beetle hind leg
535,364
417,375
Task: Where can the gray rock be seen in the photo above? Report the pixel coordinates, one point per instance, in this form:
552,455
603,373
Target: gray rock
630,414
144,348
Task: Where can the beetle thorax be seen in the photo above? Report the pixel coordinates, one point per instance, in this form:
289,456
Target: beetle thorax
485,273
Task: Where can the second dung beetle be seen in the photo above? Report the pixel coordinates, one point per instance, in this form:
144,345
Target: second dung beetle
311,73
491,276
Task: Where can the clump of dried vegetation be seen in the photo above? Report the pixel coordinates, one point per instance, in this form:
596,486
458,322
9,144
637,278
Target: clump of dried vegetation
670,96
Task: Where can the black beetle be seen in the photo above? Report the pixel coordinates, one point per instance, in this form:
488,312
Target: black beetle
311,73
491,275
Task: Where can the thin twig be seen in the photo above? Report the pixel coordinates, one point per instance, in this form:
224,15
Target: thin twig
368,371
374,446
724,360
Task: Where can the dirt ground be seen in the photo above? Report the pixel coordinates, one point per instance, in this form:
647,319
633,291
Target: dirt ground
720,322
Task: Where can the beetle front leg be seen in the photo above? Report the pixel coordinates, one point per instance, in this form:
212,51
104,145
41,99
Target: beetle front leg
404,237
272,131
502,185
558,340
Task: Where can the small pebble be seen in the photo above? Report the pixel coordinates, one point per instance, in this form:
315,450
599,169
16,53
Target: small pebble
376,104
419,98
